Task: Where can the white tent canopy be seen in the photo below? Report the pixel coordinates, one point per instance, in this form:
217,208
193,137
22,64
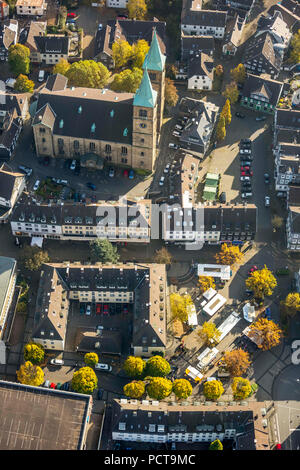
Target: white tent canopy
209,294
37,241
249,312
214,304
192,315
228,324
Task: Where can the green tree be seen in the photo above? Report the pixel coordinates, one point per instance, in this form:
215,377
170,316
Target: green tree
241,388
23,84
291,304
33,257
34,353
127,80
88,73
238,74
226,112
30,374
171,93
104,251
231,92
159,388
216,445
221,129
209,333
182,388
61,67
139,51
179,305
261,282
157,366
121,53
213,389
135,389
91,359
295,48
163,256
84,380
19,59
137,9
134,366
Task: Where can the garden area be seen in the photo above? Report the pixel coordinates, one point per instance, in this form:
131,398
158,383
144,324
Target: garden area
49,190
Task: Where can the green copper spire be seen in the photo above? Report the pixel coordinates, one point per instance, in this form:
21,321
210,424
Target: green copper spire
154,60
145,95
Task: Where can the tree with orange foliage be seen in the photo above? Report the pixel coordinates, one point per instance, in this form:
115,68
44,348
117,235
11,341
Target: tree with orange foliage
237,362
266,334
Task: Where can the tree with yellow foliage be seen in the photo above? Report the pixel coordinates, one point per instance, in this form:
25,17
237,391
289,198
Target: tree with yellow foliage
241,388
291,304
237,362
221,129
179,305
182,388
135,389
226,112
261,282
295,48
205,283
266,333
30,374
238,74
213,389
61,67
127,80
121,53
209,333
137,9
229,255
139,51
231,92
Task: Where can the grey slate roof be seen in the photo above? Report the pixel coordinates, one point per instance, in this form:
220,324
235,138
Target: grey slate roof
7,181
112,113
52,44
263,46
196,44
205,18
201,64
56,82
270,89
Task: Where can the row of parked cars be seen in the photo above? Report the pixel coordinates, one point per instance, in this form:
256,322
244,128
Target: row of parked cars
246,158
104,309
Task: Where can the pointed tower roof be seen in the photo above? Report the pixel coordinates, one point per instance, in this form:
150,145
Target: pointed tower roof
154,60
145,95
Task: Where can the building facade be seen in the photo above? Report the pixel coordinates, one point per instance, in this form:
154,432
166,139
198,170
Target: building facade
204,23
261,94
4,10
293,228
12,185
200,72
8,276
31,7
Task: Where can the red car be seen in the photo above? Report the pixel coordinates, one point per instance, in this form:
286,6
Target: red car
125,173
71,15
98,309
52,385
245,168
105,309
247,173
278,447
125,309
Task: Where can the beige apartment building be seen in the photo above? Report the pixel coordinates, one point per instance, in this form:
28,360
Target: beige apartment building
31,7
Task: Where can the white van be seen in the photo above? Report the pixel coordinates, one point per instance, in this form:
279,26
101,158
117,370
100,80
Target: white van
41,76
10,82
57,362
47,383
104,367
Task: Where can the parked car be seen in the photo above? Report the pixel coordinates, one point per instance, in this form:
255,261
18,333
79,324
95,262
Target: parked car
267,201
36,185
41,76
100,26
245,151
77,170
239,115
105,309
252,269
82,309
161,181
26,170
222,197
46,161
71,14
173,146
98,309
57,362
10,82
268,313
73,165
99,394
88,310
91,186
260,118
53,385
103,367
179,127
245,178
267,178
246,164
293,285
47,383
246,173
125,308
131,174
69,21
246,195
111,172
125,173
246,186
167,168
176,133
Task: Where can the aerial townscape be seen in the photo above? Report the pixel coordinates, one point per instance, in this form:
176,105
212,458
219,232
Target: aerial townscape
150,226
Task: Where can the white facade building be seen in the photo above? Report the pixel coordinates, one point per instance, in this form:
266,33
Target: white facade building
31,7
116,3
